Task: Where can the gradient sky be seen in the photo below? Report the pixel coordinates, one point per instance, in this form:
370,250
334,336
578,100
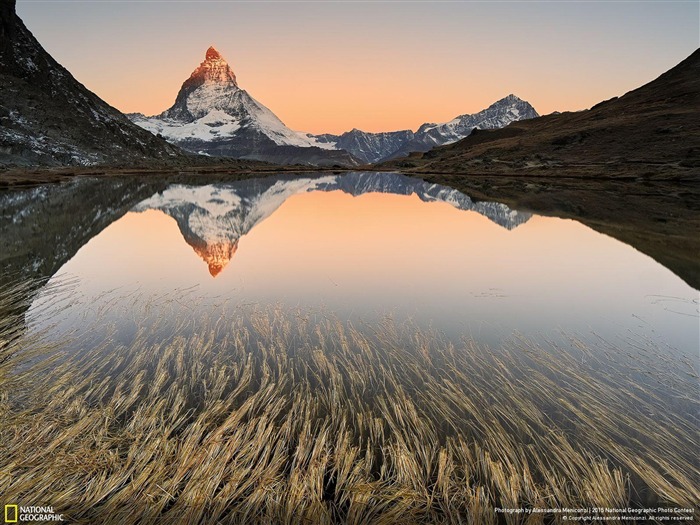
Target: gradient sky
330,66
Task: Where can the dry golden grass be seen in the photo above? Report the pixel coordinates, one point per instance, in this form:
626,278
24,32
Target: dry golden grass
274,417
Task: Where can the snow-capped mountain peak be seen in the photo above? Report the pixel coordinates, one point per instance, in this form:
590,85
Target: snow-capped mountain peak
213,115
214,69
510,99
497,115
212,86
212,54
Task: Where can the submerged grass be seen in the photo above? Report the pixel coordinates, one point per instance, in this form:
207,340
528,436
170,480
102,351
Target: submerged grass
277,417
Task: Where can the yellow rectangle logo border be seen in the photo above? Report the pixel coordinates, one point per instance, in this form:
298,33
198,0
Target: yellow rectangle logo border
16,513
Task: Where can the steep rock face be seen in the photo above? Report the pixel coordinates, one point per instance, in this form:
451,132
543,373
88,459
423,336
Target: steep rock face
214,217
49,118
369,147
192,102
214,116
376,147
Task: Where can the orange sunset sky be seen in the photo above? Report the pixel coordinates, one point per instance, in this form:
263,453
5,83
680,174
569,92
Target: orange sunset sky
374,65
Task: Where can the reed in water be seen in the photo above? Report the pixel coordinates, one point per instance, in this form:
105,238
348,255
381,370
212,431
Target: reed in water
278,416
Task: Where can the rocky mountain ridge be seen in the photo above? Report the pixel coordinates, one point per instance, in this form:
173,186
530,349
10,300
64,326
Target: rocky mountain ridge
377,147
651,132
212,115
48,118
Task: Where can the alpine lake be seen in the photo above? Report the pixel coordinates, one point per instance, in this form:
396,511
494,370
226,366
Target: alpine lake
338,348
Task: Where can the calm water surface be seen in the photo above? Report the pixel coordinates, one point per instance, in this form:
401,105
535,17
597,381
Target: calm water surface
551,345
364,246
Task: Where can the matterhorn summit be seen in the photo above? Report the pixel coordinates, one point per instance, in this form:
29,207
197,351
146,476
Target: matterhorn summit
212,86
214,68
213,116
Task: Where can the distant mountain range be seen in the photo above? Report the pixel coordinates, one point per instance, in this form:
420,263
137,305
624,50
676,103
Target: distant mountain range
651,132
49,118
212,115
376,147
214,217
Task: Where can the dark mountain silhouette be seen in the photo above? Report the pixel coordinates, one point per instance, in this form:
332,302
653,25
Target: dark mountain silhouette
49,118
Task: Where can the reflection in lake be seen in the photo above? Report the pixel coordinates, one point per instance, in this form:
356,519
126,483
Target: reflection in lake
213,218
364,246
350,348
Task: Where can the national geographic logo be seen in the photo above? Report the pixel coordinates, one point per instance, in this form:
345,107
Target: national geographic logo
19,514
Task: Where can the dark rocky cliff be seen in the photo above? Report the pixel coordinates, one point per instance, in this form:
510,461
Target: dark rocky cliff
48,118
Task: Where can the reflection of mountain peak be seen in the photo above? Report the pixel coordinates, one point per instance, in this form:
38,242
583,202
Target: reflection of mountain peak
213,218
217,255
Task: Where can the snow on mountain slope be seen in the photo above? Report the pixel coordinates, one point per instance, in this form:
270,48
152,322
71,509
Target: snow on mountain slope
214,124
375,147
213,115
497,115
368,147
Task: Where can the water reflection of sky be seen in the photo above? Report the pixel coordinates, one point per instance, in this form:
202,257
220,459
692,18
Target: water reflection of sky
365,256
